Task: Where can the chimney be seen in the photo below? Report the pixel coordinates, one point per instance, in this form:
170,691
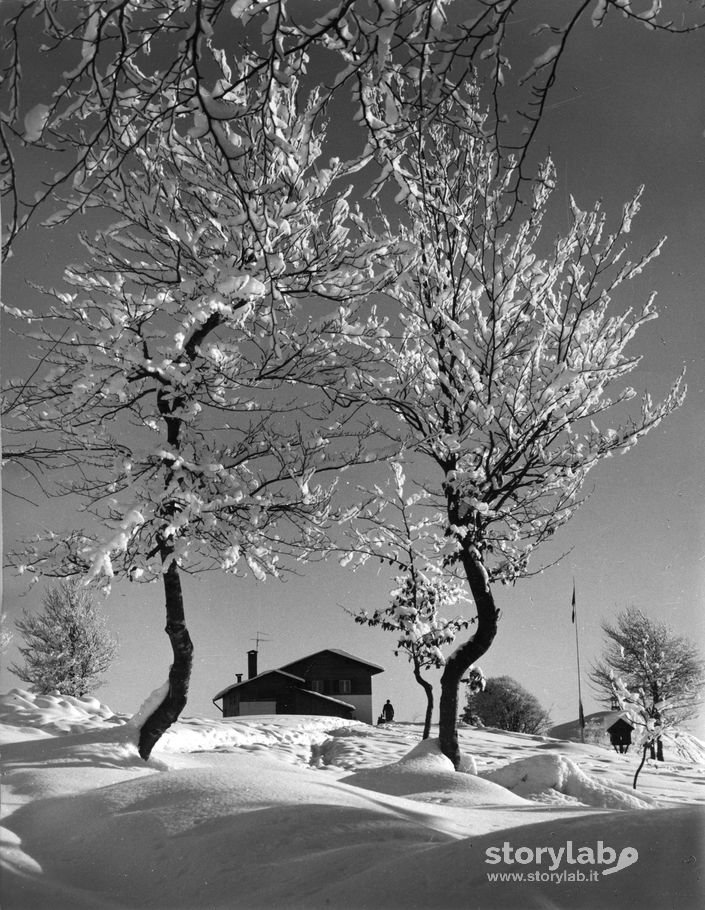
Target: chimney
251,663
239,677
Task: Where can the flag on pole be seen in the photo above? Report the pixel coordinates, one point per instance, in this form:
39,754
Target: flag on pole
572,618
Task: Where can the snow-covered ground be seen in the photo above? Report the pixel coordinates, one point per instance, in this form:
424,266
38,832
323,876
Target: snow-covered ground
310,812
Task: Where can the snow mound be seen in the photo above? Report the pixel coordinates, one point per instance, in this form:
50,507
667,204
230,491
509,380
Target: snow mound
426,775
212,837
546,777
292,738
54,713
685,746
456,875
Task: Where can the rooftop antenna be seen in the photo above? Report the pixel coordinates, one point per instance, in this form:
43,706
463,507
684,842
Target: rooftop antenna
260,636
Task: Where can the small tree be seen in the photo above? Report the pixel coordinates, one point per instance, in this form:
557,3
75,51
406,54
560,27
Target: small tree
649,657
649,719
67,645
413,615
385,529
507,705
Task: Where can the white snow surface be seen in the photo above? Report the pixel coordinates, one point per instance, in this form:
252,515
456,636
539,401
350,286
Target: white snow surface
311,812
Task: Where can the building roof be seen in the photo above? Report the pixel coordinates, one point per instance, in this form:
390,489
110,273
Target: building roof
374,668
337,701
621,722
282,671
298,679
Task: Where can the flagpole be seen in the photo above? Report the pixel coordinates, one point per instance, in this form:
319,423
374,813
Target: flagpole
581,713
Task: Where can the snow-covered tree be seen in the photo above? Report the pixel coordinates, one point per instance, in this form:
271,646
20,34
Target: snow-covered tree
420,593
508,351
67,645
390,525
650,720
507,705
140,67
187,362
650,657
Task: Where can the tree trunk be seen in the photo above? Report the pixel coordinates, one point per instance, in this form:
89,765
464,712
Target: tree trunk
428,689
641,764
464,656
659,749
174,702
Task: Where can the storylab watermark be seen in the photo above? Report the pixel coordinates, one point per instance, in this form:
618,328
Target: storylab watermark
570,863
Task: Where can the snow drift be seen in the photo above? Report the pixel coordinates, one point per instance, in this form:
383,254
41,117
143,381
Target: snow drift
256,813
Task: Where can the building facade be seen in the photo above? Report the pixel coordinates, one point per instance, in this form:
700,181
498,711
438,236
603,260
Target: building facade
329,683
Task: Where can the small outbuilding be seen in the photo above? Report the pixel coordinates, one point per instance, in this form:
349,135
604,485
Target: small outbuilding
620,734
330,683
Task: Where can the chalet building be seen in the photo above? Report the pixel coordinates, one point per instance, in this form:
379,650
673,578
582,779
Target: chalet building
330,683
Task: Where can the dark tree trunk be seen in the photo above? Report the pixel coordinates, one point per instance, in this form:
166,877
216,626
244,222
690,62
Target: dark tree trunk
641,764
428,689
659,749
464,656
174,702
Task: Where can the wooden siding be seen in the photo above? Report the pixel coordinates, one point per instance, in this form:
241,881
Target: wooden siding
330,669
306,703
286,692
274,686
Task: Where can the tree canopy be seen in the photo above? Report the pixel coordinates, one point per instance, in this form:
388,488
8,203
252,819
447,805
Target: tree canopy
507,705
505,367
255,312
131,71
650,657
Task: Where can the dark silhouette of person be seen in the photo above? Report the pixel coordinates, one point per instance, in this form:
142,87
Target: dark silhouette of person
388,712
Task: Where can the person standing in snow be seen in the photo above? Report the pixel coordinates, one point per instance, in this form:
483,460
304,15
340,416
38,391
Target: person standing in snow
388,712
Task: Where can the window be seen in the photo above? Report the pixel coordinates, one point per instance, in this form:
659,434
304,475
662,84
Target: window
316,685
344,687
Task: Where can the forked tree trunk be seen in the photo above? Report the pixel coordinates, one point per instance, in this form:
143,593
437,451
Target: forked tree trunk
464,656
174,701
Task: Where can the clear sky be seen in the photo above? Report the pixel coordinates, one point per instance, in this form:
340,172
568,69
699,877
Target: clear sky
628,108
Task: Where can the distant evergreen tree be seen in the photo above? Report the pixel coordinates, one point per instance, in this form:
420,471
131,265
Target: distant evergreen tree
67,645
507,705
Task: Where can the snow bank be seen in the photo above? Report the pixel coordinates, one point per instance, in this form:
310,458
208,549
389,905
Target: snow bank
426,775
47,715
546,777
291,738
239,831
231,816
684,746
456,875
